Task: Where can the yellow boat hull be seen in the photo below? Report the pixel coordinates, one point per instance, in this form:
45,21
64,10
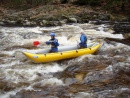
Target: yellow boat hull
49,57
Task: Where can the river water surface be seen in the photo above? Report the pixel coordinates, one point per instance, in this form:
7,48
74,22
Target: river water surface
105,74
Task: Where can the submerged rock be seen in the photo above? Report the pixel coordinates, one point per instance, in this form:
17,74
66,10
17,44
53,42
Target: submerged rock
124,41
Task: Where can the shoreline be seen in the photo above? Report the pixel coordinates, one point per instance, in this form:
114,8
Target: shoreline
57,15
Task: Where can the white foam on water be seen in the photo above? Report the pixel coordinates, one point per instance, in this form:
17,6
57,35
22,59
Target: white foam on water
114,46
35,30
11,93
79,59
63,40
10,53
124,89
107,46
102,94
83,95
123,65
14,76
52,81
10,64
128,59
102,33
49,28
54,68
21,29
30,74
109,68
30,88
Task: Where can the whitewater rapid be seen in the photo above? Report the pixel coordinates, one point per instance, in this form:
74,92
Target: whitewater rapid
17,73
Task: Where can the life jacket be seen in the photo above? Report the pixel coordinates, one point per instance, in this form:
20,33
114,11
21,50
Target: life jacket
54,42
83,39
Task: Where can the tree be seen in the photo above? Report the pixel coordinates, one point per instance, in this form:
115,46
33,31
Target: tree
120,3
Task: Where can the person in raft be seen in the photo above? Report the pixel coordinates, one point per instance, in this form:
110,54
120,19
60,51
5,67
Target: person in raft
83,41
53,42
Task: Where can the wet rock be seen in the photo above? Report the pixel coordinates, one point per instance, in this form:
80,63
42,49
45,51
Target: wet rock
69,81
64,17
72,20
52,23
43,22
83,95
124,41
79,76
79,70
29,23
62,22
126,35
97,77
122,27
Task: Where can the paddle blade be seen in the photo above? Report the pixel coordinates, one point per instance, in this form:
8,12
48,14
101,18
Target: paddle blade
36,43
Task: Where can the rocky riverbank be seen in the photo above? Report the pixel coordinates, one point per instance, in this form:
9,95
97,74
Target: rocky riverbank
56,15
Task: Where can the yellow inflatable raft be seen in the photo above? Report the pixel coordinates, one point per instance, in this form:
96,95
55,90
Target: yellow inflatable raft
63,54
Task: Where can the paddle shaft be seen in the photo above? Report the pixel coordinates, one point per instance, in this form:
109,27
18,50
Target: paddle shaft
36,43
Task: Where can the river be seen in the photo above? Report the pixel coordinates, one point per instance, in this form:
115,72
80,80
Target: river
105,74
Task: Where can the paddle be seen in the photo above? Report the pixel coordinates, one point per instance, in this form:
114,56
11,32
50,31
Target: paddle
36,43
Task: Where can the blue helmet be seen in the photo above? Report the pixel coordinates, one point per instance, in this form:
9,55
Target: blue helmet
52,34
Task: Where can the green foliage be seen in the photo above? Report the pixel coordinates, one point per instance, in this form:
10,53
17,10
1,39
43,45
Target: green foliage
121,4
35,2
113,2
24,4
17,1
107,4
